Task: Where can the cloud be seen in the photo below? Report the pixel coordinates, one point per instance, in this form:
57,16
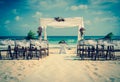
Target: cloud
88,22
104,4
97,12
107,19
53,4
74,8
37,14
14,11
98,2
7,21
47,4
102,13
82,7
25,25
17,18
32,1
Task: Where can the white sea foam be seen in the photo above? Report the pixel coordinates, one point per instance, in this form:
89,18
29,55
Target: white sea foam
71,41
115,43
21,43
90,42
6,42
37,43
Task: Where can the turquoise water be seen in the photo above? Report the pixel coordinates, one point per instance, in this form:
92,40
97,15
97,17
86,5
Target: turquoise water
73,39
56,39
68,39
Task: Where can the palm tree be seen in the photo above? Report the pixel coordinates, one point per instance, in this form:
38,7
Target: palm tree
30,35
109,36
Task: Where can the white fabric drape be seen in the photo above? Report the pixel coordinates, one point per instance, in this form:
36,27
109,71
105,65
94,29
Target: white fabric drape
68,22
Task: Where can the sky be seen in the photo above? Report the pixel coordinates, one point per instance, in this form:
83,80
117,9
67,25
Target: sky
18,17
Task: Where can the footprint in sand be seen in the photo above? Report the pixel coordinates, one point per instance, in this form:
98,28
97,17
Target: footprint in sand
21,68
19,74
93,64
97,74
13,79
87,66
7,77
96,68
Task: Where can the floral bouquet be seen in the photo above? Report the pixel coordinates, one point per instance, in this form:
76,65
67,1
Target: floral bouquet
82,30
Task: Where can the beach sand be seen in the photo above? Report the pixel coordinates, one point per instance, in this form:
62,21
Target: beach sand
59,68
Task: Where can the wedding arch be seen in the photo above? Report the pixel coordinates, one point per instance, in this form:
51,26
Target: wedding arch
59,22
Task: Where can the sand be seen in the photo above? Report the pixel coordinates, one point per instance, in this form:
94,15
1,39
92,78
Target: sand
59,68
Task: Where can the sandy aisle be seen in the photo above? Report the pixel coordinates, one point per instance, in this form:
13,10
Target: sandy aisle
56,68
59,68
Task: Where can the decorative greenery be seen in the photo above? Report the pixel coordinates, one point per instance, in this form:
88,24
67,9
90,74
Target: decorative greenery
109,36
30,35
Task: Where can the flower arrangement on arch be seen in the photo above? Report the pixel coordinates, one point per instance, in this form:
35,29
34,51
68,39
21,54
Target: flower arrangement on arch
39,31
59,19
82,31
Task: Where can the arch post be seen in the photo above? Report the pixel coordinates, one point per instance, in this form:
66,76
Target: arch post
79,37
79,27
82,25
45,33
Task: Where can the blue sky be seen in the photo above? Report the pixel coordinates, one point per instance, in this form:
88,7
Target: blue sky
19,16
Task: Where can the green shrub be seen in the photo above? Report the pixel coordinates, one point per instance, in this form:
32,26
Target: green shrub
30,35
109,36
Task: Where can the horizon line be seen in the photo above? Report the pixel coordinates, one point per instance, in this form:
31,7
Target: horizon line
57,35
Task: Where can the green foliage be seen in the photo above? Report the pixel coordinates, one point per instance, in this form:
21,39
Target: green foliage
30,35
109,36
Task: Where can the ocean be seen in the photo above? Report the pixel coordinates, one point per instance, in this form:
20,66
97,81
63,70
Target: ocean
54,40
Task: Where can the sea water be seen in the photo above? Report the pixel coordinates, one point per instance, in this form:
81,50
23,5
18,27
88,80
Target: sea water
54,41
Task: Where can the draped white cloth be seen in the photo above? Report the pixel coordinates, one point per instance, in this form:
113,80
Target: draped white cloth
62,49
68,22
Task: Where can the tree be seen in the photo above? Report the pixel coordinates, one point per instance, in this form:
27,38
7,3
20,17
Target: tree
30,35
109,36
